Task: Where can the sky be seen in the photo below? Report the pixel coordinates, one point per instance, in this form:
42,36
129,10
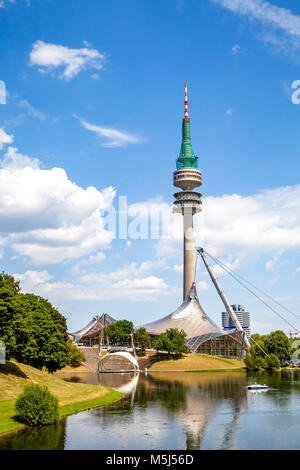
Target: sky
91,105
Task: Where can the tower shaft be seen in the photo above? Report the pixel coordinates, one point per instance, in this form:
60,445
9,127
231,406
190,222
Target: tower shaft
188,250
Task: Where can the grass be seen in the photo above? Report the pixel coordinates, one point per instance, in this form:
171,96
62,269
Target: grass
198,363
73,397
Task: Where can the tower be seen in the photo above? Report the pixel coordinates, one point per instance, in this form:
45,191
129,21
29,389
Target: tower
187,202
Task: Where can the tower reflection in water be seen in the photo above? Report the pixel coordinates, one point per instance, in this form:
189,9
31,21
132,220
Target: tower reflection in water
191,398
159,410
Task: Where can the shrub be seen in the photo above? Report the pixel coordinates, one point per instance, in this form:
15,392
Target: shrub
141,352
74,356
272,361
37,406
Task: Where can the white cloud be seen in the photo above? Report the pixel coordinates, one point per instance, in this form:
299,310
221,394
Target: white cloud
47,217
279,19
115,137
51,56
178,268
4,2
31,110
229,112
13,160
5,138
241,229
125,283
235,49
202,285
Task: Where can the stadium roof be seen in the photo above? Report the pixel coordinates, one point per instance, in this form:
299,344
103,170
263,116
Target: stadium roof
191,318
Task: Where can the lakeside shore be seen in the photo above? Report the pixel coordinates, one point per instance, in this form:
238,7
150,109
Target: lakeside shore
73,397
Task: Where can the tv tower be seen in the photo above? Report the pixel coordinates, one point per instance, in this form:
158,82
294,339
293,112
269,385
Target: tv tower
187,202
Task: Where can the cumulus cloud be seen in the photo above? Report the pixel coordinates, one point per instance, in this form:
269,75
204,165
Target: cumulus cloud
276,18
128,282
116,138
47,217
241,229
5,138
52,56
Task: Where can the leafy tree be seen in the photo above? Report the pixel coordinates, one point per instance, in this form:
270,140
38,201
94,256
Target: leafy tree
257,347
279,344
12,313
142,340
46,345
272,362
74,356
34,332
119,332
254,363
172,341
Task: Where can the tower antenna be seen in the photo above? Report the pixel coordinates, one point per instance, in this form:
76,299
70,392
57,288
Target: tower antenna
186,112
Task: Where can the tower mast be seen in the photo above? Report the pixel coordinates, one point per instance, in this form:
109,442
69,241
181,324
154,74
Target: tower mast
187,202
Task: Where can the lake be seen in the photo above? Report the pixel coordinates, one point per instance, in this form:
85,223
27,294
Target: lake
183,410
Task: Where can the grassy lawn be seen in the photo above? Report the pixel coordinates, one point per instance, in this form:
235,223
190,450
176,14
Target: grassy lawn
198,362
73,397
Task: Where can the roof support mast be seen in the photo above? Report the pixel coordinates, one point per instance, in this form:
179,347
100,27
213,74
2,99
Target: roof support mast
223,297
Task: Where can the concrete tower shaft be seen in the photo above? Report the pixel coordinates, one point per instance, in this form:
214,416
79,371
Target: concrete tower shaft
187,202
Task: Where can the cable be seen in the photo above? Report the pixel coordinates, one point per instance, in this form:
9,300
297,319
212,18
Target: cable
253,293
258,345
257,288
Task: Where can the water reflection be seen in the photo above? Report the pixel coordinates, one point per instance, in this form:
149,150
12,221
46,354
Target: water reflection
179,411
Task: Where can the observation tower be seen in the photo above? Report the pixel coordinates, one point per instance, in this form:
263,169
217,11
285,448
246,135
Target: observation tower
187,202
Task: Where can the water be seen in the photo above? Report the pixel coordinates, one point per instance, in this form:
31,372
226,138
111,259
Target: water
169,410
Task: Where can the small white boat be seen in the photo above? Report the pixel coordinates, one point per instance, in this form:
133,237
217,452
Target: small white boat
258,387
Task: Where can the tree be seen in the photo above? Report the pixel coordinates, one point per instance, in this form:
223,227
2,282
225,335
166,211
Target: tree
257,346
142,339
33,331
254,363
172,341
278,343
47,338
119,332
272,361
12,313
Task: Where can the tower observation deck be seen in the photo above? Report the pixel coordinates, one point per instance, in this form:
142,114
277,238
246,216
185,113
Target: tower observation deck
187,202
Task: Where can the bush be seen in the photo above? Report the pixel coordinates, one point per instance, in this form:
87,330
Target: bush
272,361
254,363
74,356
141,352
37,406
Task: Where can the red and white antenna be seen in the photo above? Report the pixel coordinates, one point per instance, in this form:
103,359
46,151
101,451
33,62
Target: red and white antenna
186,113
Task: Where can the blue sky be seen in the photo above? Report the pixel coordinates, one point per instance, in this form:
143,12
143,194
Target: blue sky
93,111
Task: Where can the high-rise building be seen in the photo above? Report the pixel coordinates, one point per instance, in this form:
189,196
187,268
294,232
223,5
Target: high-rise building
243,317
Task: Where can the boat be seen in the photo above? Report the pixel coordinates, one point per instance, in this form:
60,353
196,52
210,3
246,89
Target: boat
258,387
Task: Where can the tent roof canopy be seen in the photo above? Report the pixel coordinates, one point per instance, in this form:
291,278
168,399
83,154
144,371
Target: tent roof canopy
96,325
191,318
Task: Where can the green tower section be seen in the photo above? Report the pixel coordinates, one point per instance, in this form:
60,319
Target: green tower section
187,158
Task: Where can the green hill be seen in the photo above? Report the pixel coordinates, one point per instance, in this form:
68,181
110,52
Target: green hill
73,397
